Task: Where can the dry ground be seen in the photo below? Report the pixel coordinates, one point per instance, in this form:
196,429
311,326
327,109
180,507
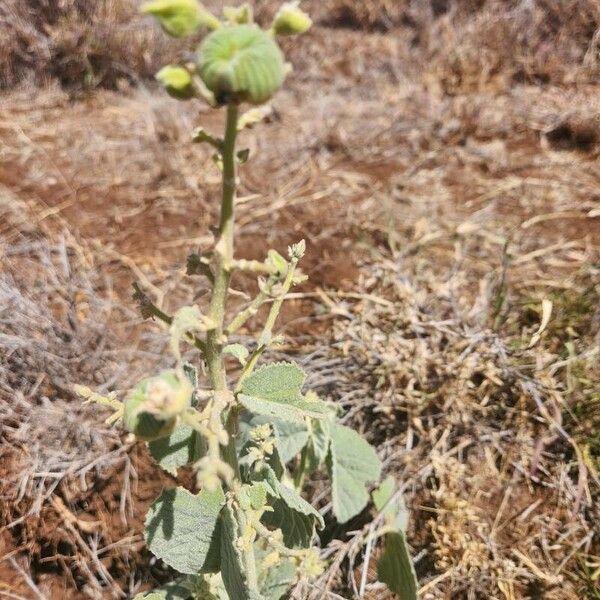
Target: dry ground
441,160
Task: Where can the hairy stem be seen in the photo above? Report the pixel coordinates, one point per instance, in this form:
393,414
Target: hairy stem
149,309
214,338
223,254
252,308
265,338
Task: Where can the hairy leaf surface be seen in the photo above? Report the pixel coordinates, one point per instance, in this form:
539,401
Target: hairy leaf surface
320,438
352,463
391,503
293,515
275,391
237,351
232,565
298,529
291,437
180,527
182,447
395,567
299,504
276,580
180,589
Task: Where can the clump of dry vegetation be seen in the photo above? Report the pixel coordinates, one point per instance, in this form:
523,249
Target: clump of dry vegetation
501,43
78,43
463,46
68,486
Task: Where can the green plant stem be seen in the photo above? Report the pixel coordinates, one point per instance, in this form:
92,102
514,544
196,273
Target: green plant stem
150,309
223,254
302,468
254,266
267,331
269,537
248,552
276,307
214,338
223,258
241,318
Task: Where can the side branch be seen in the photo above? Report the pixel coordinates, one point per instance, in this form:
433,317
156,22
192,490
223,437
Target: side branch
149,310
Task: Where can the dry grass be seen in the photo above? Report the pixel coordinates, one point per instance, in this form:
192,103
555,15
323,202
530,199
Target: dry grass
59,325
79,43
436,224
464,46
503,43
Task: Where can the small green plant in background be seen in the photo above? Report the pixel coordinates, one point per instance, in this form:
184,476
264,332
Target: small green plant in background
248,534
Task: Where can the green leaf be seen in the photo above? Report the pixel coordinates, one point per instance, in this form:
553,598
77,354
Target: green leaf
276,580
238,14
254,495
320,438
270,478
391,504
383,494
232,564
180,589
298,529
395,567
291,20
352,463
277,261
299,504
290,438
211,588
182,447
237,351
275,391
180,527
293,515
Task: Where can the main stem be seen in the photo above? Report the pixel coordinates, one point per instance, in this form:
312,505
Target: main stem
214,338
224,255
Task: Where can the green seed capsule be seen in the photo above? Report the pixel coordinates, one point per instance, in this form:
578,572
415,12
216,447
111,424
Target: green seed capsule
241,63
151,409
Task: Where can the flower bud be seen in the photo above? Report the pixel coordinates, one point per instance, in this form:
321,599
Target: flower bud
238,14
151,409
241,63
291,20
177,81
180,18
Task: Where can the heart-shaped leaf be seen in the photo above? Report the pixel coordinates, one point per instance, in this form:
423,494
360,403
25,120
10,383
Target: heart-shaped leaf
352,463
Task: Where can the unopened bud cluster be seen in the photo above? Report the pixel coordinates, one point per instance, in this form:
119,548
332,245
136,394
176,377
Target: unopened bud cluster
238,61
